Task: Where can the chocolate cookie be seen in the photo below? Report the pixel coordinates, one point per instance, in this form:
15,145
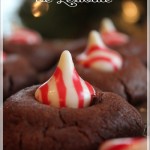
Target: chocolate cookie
37,126
130,82
112,72
41,56
136,48
17,74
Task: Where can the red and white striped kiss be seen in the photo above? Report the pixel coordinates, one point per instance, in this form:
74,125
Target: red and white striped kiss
125,144
110,35
98,56
65,88
24,36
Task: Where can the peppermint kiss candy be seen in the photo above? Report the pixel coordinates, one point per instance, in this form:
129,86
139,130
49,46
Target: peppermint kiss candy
98,56
110,35
65,88
125,144
24,36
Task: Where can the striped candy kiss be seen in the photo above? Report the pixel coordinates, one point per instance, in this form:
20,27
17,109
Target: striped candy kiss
110,35
24,36
98,56
125,144
65,88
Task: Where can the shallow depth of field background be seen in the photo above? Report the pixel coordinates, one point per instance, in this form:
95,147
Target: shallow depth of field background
60,21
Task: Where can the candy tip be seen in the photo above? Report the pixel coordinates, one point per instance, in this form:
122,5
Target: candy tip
107,25
95,39
65,60
66,55
66,52
94,33
106,20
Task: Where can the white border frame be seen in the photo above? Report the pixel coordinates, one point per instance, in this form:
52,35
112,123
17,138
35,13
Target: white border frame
1,76
148,76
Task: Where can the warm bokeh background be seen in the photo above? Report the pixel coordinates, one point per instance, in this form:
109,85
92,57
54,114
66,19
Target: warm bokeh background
60,21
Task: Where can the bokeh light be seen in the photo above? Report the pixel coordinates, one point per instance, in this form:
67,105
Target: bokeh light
130,11
39,9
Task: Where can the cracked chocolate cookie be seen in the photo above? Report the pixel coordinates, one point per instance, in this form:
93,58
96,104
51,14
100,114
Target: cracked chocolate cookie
112,72
37,126
67,112
17,74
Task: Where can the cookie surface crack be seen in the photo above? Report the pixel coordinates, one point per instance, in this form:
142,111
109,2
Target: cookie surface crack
84,134
61,117
129,99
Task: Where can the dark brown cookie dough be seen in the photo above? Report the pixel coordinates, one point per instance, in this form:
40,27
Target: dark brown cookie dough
134,78
31,125
134,48
17,74
41,56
